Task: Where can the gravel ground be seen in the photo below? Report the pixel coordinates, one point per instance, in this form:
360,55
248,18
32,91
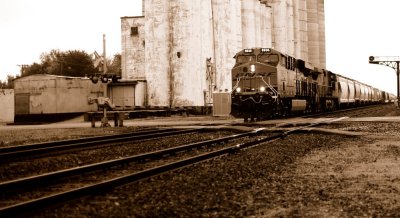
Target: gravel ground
31,136
106,174
29,167
307,175
301,176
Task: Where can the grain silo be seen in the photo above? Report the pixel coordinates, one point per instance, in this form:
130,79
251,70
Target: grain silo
248,23
189,45
227,40
157,50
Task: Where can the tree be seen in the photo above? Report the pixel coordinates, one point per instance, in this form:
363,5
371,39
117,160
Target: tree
8,84
69,63
113,71
74,63
115,67
35,68
3,85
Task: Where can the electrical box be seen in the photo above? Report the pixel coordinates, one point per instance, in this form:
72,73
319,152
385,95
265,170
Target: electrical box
221,103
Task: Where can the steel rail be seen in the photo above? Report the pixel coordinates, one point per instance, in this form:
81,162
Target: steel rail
346,110
78,140
89,143
43,178
21,208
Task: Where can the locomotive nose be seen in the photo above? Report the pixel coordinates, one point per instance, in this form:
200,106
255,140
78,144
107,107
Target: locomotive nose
252,67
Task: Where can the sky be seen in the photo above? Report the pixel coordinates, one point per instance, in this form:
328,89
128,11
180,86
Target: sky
29,28
355,30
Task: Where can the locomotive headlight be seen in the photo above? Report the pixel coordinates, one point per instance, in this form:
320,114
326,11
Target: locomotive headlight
262,89
238,89
252,68
265,50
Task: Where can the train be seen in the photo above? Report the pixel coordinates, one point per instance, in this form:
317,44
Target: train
267,83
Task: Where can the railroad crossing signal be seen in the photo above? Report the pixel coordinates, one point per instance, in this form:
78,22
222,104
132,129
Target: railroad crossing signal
389,61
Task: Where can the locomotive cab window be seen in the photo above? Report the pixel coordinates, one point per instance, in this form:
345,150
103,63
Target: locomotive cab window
241,59
283,60
272,59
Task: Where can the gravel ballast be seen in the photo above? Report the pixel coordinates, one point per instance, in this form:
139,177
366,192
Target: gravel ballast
301,176
304,175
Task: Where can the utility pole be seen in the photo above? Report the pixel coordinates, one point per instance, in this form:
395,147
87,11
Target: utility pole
389,61
104,55
104,120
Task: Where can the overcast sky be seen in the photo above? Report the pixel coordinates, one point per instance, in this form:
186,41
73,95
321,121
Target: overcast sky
355,29
30,27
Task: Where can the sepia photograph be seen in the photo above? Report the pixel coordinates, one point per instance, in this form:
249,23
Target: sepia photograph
199,108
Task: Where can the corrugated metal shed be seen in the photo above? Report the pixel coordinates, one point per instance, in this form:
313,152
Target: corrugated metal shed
51,94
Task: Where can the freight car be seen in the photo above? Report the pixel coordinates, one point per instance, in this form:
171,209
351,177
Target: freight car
267,83
387,97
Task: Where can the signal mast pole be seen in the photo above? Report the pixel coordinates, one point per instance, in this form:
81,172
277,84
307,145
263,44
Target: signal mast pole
104,55
389,61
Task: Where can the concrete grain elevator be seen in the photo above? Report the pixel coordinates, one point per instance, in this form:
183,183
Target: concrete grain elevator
184,49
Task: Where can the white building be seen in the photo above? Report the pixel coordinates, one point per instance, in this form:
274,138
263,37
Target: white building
184,49
7,106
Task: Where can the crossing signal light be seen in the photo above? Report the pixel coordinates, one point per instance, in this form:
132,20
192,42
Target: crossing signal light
372,60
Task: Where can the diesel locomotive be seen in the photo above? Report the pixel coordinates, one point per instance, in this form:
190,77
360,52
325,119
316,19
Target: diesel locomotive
267,83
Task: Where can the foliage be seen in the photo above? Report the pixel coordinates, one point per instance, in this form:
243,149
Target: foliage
8,84
35,68
74,63
69,63
114,66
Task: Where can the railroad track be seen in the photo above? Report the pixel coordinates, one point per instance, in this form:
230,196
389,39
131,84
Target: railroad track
355,112
46,148
374,110
8,189
349,112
